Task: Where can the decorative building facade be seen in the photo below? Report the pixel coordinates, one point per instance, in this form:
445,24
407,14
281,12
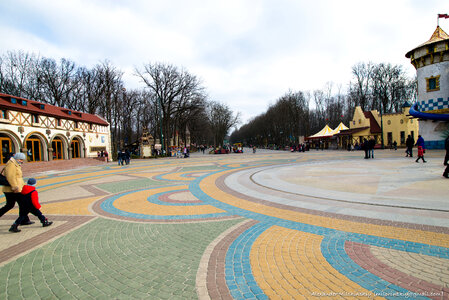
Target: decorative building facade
431,61
395,127
45,132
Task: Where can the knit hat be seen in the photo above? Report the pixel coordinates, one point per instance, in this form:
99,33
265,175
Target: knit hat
31,181
19,155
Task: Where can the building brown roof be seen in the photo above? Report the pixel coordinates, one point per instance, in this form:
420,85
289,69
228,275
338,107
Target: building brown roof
351,131
35,107
374,126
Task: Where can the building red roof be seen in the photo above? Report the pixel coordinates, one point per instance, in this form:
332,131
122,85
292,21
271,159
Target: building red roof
374,126
35,107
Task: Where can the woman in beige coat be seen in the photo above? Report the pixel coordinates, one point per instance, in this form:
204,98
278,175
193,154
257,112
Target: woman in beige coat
13,173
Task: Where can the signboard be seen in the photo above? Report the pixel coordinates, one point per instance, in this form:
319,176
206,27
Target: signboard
146,151
97,149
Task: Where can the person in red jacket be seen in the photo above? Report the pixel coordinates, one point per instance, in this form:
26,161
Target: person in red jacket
29,204
421,154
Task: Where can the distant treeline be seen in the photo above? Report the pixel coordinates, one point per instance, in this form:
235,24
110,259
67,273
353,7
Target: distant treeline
383,87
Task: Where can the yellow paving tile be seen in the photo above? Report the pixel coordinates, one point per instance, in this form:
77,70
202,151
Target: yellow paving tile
72,207
137,203
283,278
178,176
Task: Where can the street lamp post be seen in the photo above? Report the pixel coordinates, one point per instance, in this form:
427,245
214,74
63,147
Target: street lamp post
160,123
381,127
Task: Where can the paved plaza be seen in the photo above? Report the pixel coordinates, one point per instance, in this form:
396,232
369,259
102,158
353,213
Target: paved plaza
270,225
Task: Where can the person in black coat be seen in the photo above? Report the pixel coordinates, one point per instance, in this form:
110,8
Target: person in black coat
446,157
365,147
409,144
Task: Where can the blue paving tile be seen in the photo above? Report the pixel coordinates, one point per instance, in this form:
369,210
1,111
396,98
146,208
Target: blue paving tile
359,275
155,199
108,206
245,280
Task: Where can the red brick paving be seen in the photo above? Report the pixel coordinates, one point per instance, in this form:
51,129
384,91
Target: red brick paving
33,168
362,255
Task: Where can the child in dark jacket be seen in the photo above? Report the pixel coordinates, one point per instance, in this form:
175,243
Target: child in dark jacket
29,204
420,154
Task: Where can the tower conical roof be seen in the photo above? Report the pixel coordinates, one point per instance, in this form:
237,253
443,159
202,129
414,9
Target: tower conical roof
437,36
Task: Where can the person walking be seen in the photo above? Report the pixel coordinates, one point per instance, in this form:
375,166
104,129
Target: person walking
120,157
127,156
29,204
13,174
421,154
409,144
371,144
446,158
420,142
421,148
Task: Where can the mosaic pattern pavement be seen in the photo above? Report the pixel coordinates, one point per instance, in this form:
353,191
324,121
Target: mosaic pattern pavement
270,225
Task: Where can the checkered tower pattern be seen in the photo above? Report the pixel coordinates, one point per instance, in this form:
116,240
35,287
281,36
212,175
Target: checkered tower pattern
433,104
435,101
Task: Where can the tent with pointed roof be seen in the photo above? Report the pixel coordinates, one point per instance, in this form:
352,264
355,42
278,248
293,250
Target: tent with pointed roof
339,128
326,132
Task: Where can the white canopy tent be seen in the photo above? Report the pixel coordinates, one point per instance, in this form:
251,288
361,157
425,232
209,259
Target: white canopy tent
324,136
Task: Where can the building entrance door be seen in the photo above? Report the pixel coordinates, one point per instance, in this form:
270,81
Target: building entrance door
34,152
76,153
57,149
6,149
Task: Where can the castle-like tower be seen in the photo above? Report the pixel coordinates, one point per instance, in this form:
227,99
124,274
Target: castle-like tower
431,60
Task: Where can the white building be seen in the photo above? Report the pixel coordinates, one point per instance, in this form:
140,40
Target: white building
431,60
46,132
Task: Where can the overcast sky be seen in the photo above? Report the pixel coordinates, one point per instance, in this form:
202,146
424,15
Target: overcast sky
246,53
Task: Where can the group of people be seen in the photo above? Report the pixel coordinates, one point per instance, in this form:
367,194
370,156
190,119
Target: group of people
25,195
300,148
368,147
183,152
410,142
103,154
123,157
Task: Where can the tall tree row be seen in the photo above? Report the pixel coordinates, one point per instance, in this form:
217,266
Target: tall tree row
170,96
172,101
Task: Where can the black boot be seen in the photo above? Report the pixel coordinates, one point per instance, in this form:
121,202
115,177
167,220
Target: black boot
14,228
46,223
27,223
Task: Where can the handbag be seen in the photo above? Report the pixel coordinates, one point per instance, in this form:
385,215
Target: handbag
3,180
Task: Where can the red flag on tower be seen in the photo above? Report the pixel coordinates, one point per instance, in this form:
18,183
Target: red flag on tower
446,16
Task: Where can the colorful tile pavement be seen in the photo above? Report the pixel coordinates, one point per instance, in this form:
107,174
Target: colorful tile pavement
270,225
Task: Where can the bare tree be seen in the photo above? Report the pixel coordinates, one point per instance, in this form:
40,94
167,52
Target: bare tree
390,87
176,91
361,88
221,120
57,81
18,74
